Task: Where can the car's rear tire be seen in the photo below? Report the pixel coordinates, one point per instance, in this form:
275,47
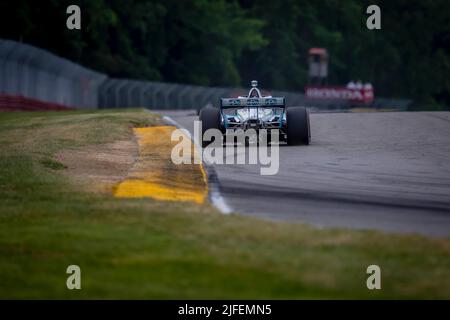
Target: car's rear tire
298,129
210,118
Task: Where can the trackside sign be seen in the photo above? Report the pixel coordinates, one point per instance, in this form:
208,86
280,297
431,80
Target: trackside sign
363,95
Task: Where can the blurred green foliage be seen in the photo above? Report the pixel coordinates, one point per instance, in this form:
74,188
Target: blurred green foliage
228,43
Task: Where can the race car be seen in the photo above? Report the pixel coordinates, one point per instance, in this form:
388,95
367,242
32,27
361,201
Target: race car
256,111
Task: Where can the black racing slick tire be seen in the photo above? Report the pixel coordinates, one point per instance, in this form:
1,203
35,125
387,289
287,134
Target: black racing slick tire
210,118
298,129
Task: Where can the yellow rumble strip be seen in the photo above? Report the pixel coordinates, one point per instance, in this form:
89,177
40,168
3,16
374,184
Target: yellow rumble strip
155,175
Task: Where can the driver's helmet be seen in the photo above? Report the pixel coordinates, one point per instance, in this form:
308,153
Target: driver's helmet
253,93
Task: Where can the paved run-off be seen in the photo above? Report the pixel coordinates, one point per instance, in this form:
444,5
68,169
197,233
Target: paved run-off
155,175
380,170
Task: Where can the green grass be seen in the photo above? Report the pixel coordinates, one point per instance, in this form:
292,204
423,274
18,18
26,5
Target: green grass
150,249
53,164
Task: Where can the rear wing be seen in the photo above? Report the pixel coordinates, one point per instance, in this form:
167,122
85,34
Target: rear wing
251,102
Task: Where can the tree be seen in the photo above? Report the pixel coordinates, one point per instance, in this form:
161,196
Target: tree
229,43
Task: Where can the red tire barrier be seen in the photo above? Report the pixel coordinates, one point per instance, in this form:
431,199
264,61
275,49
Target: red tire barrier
21,103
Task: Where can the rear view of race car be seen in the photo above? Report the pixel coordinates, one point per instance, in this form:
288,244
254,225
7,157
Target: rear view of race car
258,112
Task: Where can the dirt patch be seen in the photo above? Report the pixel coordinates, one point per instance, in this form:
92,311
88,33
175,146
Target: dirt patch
100,166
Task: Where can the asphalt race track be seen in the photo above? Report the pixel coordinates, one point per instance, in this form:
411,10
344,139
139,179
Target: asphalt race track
387,171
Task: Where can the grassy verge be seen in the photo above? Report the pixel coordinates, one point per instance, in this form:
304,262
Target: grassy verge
152,249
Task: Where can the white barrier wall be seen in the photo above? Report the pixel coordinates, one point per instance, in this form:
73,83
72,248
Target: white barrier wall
38,74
